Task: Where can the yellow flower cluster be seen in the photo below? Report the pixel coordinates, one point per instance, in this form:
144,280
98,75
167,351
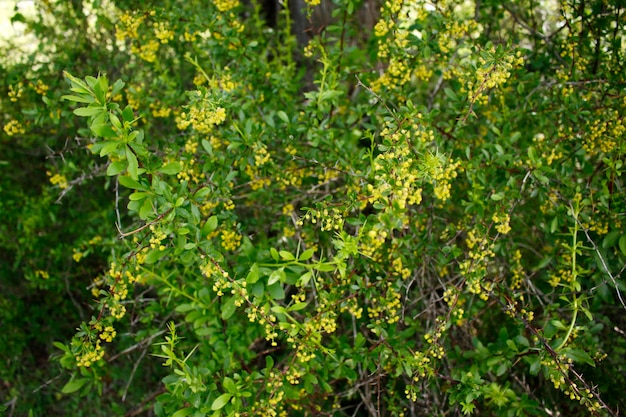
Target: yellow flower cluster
14,127
387,307
157,237
261,155
225,5
90,355
493,74
191,145
228,204
502,222
328,219
108,334
439,172
221,283
116,309
224,82
288,209
42,274
352,306
58,179
190,172
474,269
41,88
159,111
15,91
230,240
372,241
77,255
601,227
202,117
147,51
128,25
398,268
208,207
603,135
396,182
517,270
291,175
163,32
562,274
549,152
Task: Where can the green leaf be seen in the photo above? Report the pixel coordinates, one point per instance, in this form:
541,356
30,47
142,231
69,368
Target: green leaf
622,244
127,114
154,255
278,309
580,356
115,121
286,256
229,385
103,130
116,167
276,291
207,146
172,168
61,346
497,196
133,165
78,99
220,402
610,239
306,255
138,195
130,183
117,87
276,276
298,306
253,275
274,254
304,279
146,209
229,308
109,147
209,226
451,94
283,116
88,111
74,385
183,412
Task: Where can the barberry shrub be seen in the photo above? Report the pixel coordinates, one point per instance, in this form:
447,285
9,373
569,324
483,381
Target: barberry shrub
413,208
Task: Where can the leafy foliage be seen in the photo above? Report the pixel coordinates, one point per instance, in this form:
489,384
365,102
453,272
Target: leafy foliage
419,212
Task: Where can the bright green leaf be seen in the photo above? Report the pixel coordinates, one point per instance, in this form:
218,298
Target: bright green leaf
74,385
220,401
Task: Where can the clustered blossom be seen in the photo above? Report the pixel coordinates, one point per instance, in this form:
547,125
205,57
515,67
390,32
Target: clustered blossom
58,179
89,355
14,127
492,73
15,92
602,136
231,240
502,223
203,114
128,26
226,5
41,87
163,32
147,51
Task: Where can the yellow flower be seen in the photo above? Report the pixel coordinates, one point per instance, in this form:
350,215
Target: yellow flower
14,127
77,255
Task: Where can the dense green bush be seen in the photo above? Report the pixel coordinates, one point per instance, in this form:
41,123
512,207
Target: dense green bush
417,212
